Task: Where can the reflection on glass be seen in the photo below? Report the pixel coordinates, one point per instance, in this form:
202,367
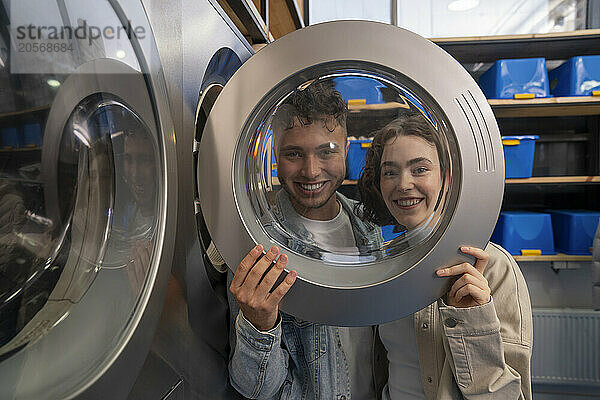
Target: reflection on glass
297,168
80,186
56,237
69,33
135,221
98,212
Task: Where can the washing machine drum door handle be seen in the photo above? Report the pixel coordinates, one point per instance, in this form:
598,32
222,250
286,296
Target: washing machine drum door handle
368,157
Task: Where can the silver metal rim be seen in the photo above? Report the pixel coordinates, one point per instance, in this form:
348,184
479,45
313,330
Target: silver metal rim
482,175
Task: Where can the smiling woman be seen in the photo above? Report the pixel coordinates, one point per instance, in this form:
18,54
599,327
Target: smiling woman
404,174
411,179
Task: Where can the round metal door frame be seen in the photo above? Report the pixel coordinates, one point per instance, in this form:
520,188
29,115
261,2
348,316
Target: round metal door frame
111,77
116,79
481,181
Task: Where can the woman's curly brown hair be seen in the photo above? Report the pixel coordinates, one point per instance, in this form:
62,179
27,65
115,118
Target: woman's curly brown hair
371,207
319,101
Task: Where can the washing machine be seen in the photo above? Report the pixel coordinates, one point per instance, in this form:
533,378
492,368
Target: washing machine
383,74
200,50
102,237
88,172
100,215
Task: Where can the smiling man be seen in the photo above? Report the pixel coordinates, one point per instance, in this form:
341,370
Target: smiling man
310,148
311,167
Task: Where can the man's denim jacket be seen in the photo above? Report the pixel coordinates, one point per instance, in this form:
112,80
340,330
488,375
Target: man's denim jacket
296,359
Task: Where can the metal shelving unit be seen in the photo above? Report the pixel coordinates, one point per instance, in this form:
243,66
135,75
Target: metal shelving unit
546,107
555,257
485,49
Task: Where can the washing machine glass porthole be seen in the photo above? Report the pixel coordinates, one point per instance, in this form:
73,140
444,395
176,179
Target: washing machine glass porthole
348,127
104,217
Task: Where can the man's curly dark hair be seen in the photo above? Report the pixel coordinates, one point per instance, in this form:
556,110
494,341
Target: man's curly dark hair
319,101
371,207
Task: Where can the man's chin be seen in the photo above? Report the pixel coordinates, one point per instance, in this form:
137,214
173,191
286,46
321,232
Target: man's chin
312,202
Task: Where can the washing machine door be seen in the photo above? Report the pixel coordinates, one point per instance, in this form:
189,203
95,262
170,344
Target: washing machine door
87,200
433,178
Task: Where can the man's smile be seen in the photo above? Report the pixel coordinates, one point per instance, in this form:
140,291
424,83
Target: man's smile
310,189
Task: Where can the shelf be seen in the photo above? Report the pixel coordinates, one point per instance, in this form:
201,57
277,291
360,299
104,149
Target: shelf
284,17
556,46
24,112
546,107
556,257
247,19
554,179
392,105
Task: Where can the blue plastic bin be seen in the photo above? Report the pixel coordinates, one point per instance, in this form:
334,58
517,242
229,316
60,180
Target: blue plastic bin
578,76
357,151
32,135
518,155
574,230
387,231
508,79
359,89
523,232
9,138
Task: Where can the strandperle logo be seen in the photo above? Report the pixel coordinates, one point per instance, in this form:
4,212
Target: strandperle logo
81,32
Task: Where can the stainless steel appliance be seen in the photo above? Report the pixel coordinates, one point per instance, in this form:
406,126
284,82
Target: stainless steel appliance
200,50
90,192
96,186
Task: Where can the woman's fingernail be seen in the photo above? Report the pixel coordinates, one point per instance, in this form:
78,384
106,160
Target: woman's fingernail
283,258
442,272
465,248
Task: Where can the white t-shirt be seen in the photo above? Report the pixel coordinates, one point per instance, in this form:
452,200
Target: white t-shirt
404,382
336,235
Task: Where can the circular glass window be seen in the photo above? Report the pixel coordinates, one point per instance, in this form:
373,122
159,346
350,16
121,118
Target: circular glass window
95,208
351,165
